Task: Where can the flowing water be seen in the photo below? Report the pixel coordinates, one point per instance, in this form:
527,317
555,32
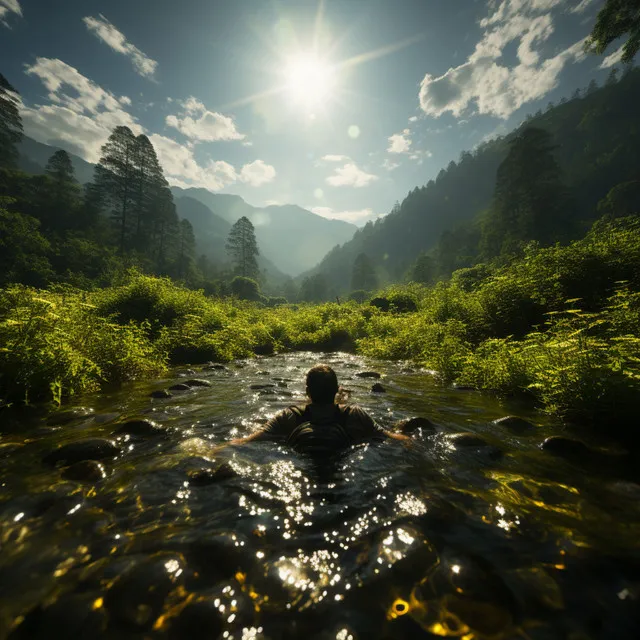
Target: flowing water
495,540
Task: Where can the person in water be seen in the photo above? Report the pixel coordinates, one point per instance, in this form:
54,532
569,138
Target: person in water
323,427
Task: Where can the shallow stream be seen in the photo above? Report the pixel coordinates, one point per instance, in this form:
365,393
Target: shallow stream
445,538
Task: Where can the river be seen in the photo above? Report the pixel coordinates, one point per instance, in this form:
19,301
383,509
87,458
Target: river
485,538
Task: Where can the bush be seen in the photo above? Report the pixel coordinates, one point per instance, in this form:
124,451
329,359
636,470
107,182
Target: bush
246,289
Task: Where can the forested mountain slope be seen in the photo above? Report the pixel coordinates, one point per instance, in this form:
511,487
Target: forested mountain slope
294,238
35,155
596,140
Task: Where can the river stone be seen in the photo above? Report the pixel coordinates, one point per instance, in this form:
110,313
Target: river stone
85,471
378,388
412,425
160,393
65,417
262,373
88,449
185,372
198,382
141,427
200,619
282,383
215,367
561,446
467,439
137,598
180,387
205,477
256,387
513,423
368,374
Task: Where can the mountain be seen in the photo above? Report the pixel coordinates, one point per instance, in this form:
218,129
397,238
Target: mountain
597,145
291,237
35,155
211,232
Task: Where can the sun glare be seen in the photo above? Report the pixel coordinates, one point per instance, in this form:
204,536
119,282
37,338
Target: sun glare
310,80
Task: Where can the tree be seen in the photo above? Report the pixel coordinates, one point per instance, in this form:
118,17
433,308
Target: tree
245,288
616,19
363,275
243,248
10,124
186,250
114,178
424,270
314,288
63,192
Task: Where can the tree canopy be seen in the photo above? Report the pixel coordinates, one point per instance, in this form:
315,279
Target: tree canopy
616,19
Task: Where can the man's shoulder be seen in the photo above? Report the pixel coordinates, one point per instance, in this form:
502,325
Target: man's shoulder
354,411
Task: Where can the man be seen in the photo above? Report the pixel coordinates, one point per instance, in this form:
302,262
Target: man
322,428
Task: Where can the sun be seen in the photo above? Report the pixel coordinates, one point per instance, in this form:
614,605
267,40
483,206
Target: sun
310,81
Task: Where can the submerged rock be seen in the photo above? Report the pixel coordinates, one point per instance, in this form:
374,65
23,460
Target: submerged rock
368,374
85,471
185,372
161,393
198,382
257,387
378,388
180,387
89,449
205,477
215,367
467,439
513,423
567,447
412,425
65,417
137,598
141,427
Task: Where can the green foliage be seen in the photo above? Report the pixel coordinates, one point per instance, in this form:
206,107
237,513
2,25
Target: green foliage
359,296
616,19
10,123
243,248
245,288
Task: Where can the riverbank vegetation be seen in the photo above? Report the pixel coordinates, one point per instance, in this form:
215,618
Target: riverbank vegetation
560,324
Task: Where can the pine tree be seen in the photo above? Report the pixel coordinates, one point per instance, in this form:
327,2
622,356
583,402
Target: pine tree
243,248
165,229
363,275
616,19
186,246
115,179
10,124
424,270
63,192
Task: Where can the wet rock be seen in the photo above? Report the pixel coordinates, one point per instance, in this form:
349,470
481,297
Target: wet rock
414,424
261,386
65,417
141,427
219,556
282,383
137,598
564,447
75,616
198,382
88,449
216,367
515,424
285,394
206,477
160,393
85,471
200,619
185,373
368,374
467,439
267,392
180,387
262,373
378,388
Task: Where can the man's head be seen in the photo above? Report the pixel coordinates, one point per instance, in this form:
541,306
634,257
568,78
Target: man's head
322,384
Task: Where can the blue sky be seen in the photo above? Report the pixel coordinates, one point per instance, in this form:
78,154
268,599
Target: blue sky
340,106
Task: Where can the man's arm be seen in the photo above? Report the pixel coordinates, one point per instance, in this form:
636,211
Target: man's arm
269,430
371,429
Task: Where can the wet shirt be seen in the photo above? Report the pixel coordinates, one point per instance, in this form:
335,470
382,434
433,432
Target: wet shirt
322,430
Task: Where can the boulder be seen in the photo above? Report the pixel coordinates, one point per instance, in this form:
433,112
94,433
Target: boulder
261,386
180,387
515,424
205,477
85,471
467,439
215,367
412,425
142,427
378,388
565,447
198,382
160,394
368,374
88,449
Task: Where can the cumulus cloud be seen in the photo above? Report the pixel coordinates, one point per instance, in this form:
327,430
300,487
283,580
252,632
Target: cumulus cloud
198,123
400,142
335,158
115,39
81,114
485,81
358,217
413,119
350,176
257,173
9,6
613,59
389,165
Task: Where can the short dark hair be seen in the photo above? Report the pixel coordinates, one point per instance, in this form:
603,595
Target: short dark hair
322,384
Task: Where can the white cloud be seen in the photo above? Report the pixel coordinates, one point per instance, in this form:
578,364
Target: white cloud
485,82
400,142
583,6
389,165
9,6
257,173
335,158
198,123
115,39
358,217
613,59
413,119
81,113
350,176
